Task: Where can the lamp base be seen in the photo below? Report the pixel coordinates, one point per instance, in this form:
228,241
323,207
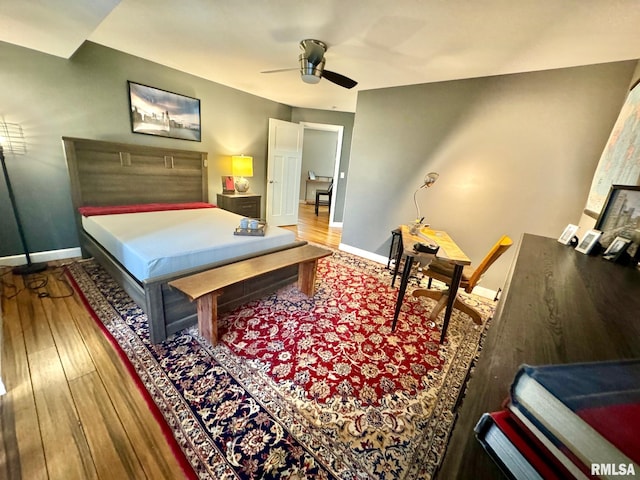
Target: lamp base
30,268
242,185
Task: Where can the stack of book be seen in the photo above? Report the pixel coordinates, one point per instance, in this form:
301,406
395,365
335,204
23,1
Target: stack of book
568,421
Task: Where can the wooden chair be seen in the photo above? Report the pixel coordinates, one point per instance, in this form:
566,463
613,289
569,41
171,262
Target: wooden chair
328,192
443,270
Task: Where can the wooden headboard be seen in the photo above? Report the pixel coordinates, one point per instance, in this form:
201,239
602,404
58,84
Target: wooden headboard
107,173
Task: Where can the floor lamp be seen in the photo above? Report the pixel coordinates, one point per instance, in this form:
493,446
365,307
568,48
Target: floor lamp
10,136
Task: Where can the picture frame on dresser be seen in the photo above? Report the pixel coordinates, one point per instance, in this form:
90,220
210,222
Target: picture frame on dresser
620,216
588,241
228,186
568,234
616,249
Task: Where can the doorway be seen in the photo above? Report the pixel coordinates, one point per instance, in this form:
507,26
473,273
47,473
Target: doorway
327,150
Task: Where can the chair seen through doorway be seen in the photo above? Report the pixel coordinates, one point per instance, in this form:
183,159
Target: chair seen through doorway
324,193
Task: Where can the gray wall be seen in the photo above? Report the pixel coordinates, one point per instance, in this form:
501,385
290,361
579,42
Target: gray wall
333,118
515,153
87,97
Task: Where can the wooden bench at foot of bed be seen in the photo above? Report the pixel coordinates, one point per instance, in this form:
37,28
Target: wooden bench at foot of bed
205,287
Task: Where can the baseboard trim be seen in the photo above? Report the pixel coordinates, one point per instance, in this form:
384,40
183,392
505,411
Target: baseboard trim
363,253
485,292
17,260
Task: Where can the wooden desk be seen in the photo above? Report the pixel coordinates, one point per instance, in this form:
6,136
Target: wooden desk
558,306
448,250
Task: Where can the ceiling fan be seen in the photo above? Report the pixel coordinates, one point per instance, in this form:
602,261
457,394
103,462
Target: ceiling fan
312,65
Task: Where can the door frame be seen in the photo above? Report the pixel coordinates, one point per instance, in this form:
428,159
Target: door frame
339,129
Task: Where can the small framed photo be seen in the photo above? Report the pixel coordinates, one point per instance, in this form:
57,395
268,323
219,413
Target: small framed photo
616,248
588,241
568,234
228,185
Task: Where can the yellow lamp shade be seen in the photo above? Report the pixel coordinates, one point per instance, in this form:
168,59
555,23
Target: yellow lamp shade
242,166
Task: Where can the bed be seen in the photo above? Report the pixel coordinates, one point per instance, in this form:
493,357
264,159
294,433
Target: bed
146,248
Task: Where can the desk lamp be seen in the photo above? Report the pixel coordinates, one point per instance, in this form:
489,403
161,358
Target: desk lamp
12,140
242,166
429,179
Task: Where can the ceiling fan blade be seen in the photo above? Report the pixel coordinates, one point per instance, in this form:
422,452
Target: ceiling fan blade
338,79
281,70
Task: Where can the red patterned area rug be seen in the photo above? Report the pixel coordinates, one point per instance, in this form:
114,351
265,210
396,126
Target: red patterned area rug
303,388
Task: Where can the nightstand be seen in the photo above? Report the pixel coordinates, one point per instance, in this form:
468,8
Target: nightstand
245,204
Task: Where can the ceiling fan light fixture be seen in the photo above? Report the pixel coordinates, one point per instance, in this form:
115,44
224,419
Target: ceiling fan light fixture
312,65
312,79
310,73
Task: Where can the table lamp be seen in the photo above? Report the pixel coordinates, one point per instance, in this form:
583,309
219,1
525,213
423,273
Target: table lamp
241,167
429,179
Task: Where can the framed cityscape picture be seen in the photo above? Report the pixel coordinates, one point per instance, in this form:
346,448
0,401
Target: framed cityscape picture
620,216
166,114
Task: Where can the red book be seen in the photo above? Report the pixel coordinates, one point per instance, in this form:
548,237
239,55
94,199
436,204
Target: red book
555,449
518,454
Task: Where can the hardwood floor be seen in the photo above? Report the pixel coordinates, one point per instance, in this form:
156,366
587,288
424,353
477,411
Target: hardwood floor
71,410
316,228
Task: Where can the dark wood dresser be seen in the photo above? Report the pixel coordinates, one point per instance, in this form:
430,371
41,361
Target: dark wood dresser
558,306
245,204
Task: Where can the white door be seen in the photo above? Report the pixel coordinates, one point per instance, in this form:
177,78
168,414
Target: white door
284,162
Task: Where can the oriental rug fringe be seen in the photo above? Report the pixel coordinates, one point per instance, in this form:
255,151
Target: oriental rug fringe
303,387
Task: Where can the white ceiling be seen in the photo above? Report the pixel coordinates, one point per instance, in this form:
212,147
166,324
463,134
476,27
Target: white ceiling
379,43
